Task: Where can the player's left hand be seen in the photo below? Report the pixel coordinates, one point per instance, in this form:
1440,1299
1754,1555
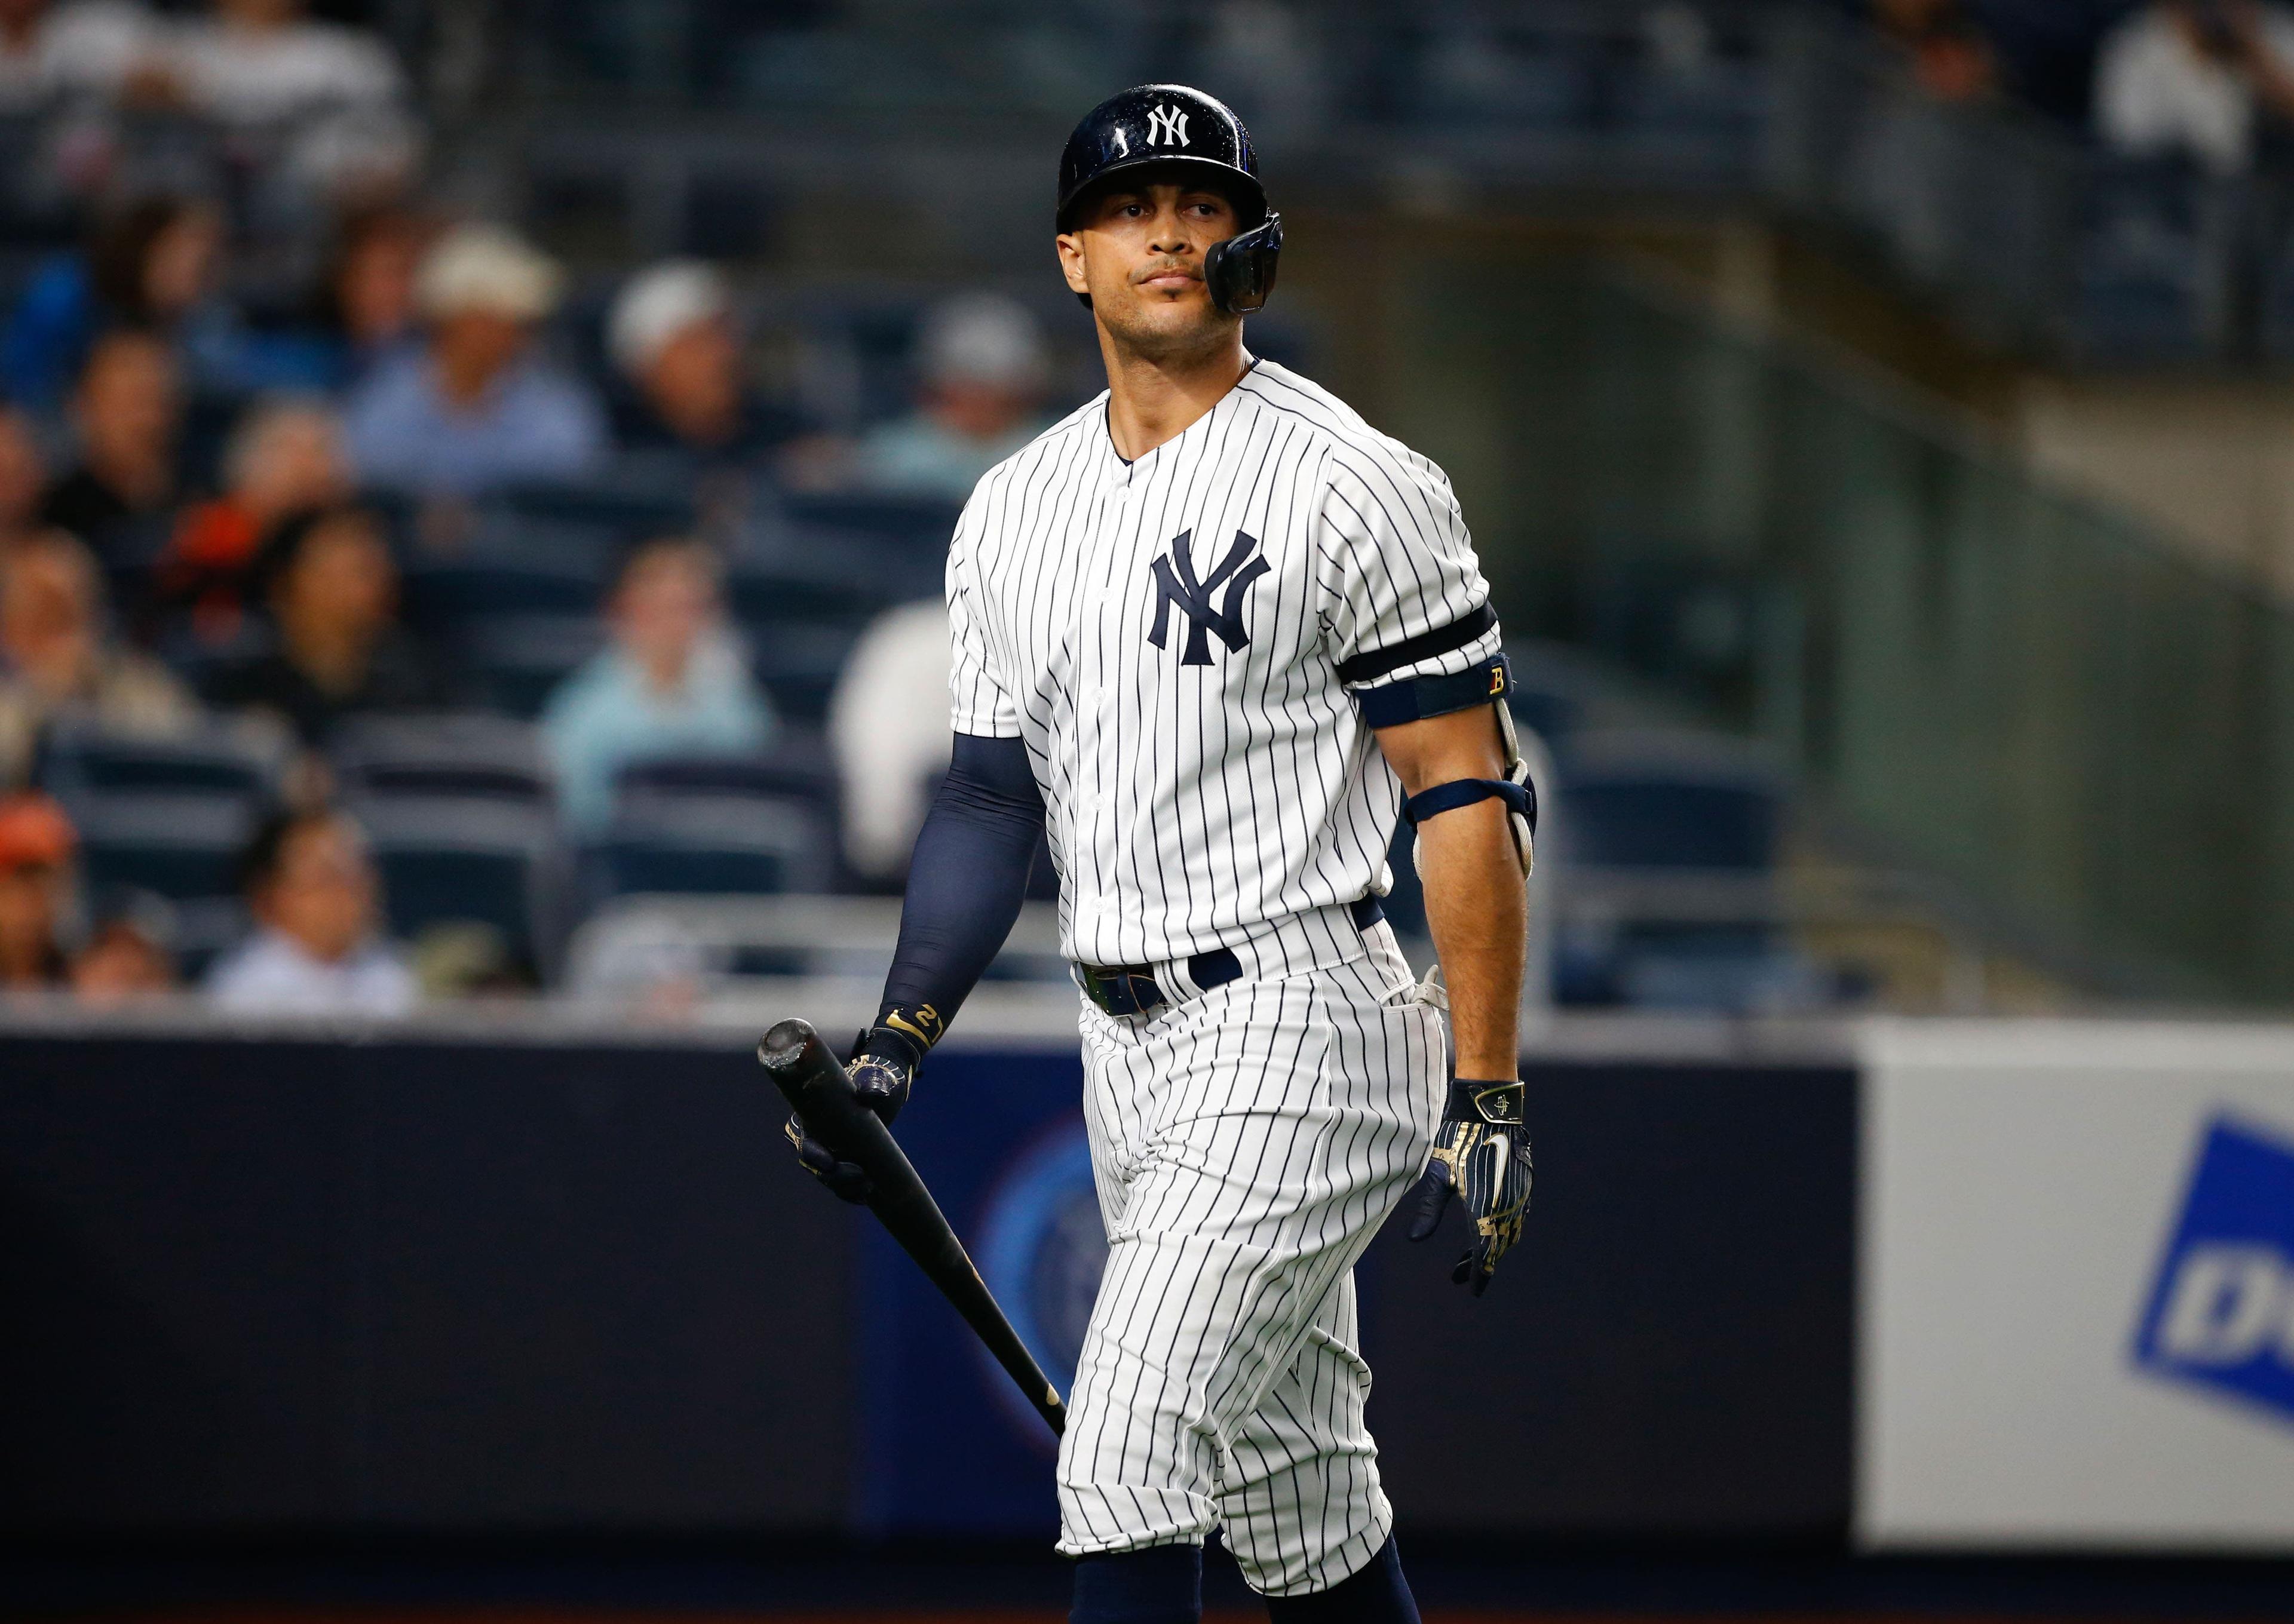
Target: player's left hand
1481,1153
883,1067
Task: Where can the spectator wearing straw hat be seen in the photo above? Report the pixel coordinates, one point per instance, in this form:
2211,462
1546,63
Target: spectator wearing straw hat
674,336
474,408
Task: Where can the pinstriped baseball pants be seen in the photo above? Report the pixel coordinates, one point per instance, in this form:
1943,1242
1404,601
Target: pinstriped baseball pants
1247,1143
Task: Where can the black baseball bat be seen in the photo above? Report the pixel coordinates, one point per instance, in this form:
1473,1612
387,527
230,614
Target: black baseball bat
821,1095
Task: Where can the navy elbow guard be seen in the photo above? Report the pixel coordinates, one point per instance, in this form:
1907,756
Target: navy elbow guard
1488,682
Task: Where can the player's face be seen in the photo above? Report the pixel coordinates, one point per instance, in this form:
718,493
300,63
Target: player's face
1138,251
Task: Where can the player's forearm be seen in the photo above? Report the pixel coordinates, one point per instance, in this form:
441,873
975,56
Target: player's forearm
966,882
1478,908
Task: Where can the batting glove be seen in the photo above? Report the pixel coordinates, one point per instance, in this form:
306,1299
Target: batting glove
1481,1153
883,1067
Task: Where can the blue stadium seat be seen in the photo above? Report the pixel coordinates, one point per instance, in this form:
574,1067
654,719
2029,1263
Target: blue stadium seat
621,510
451,859
693,843
1667,844
520,660
481,583
826,588
2152,280
1668,801
798,665
182,846
459,754
923,521
81,759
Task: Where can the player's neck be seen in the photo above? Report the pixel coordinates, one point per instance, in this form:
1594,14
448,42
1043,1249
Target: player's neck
1154,398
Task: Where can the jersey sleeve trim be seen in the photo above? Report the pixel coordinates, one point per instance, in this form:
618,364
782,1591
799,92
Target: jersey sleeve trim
1371,664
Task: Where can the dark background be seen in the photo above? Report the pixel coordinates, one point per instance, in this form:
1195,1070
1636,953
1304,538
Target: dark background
363,1287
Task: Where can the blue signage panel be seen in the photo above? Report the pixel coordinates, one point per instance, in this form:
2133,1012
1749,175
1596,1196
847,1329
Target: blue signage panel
949,1445
2221,1312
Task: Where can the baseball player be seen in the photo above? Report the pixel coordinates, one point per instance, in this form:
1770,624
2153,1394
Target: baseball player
1212,632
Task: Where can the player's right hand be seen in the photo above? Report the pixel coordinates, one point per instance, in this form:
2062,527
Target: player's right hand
883,1068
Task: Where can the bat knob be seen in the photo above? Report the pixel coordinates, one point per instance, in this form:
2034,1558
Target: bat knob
784,1046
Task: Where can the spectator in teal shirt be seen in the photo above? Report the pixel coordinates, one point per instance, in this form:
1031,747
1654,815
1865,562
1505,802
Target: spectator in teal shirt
671,683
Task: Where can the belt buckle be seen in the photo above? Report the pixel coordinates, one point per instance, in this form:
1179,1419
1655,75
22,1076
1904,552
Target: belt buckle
1118,989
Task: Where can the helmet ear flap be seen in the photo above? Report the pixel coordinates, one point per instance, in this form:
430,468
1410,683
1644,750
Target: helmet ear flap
1240,273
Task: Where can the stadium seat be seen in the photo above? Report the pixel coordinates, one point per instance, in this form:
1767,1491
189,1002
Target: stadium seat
464,754
520,660
825,589
799,664
798,765
486,583
2152,280
224,759
182,846
1663,801
1668,847
698,843
923,521
451,859
624,511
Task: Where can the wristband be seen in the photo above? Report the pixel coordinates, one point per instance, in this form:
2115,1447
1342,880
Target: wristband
1498,1103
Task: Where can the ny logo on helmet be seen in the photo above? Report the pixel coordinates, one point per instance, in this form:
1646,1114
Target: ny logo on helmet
1175,583
1166,127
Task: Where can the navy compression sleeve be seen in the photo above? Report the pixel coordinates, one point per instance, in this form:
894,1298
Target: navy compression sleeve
968,877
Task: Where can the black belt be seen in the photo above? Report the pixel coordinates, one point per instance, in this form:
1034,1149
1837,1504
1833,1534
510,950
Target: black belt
1132,989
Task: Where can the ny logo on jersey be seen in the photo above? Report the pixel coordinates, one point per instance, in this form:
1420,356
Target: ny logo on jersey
1166,127
1175,583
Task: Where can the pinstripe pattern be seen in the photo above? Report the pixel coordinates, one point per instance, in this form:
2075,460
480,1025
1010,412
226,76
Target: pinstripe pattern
1246,1145
1188,802
1221,791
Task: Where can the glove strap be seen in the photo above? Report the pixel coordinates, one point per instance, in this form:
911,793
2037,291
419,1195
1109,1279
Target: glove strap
1500,1104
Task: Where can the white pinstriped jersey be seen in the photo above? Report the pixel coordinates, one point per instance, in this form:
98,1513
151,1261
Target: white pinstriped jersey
1166,636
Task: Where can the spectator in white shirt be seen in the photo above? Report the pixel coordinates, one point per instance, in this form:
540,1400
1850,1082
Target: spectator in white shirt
335,94
312,889
887,726
2196,78
49,54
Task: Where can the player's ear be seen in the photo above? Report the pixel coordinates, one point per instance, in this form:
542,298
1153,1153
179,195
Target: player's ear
1072,262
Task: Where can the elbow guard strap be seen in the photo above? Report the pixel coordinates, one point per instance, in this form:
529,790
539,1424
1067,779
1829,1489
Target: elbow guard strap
1519,799
1519,795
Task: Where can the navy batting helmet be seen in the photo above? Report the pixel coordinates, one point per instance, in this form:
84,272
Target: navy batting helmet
1174,124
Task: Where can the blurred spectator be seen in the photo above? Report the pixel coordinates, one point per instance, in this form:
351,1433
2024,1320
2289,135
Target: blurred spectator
312,887
984,377
285,458
473,409
23,478
36,843
369,293
128,956
53,54
57,659
2196,78
1948,51
888,725
334,96
127,411
152,264
674,337
340,650
671,683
